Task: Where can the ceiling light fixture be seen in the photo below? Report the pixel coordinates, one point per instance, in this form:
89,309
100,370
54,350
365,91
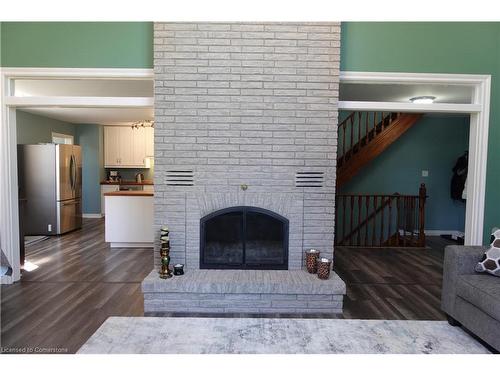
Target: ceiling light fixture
143,124
426,99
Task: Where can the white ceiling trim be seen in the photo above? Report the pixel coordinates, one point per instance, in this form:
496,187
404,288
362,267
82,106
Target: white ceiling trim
83,73
412,78
409,107
79,101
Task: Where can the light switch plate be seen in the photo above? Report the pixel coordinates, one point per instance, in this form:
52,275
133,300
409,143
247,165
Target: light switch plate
425,173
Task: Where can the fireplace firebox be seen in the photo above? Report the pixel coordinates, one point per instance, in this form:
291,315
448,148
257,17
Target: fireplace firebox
244,237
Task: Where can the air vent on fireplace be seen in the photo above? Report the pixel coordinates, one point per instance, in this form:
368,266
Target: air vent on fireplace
309,179
180,178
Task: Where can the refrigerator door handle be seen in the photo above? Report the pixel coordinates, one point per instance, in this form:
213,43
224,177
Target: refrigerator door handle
72,172
75,171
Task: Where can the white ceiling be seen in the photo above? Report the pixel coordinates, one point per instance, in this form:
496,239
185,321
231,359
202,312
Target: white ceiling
402,93
103,116
89,87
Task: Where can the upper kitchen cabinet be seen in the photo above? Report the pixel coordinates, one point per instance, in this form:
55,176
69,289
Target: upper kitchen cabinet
150,141
125,147
111,146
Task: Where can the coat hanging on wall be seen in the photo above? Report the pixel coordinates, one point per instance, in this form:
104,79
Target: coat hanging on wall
459,178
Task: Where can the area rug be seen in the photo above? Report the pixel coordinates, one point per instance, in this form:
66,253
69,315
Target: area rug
268,336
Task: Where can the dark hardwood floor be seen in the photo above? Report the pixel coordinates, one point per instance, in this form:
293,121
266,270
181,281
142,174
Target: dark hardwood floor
393,283
81,281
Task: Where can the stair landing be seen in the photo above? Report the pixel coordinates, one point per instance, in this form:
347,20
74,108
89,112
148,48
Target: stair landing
243,291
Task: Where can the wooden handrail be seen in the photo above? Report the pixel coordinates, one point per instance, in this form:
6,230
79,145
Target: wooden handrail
364,136
381,220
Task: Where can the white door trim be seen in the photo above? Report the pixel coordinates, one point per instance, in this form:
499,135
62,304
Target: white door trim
79,101
75,73
409,107
9,228
9,216
479,111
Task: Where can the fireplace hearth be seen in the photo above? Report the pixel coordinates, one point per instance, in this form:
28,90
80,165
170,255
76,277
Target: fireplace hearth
244,238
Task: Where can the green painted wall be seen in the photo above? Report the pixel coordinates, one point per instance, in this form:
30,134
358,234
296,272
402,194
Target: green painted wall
90,137
440,47
77,44
399,169
38,129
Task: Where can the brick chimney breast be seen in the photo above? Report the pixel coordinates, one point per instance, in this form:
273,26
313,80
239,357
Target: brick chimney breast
250,105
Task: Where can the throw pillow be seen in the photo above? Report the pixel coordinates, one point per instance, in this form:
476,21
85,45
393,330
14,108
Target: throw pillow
491,259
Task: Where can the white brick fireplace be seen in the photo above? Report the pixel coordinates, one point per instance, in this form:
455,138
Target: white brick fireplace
246,105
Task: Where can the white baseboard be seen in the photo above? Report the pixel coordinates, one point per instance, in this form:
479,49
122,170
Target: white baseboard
92,216
453,233
438,232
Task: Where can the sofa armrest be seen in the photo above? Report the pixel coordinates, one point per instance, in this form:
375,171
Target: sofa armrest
458,260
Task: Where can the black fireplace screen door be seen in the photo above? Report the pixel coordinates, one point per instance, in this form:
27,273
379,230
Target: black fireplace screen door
244,238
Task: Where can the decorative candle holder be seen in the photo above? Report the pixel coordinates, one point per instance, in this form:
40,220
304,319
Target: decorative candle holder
324,265
165,272
312,256
179,269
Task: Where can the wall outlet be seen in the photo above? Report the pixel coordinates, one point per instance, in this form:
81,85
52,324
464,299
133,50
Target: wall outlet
425,173
49,227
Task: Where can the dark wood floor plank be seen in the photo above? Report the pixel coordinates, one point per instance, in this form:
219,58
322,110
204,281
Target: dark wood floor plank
392,283
81,282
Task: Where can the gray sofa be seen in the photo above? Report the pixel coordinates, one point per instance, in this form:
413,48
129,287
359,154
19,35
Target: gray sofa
469,298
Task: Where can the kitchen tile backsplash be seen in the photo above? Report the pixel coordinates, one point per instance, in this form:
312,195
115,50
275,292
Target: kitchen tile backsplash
129,174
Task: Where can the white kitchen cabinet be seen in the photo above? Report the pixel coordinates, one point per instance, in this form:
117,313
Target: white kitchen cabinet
107,189
125,147
111,146
129,222
139,146
150,141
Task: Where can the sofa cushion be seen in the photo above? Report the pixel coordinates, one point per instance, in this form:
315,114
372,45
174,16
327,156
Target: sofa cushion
491,259
483,291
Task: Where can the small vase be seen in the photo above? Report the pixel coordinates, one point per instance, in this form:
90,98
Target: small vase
179,269
312,256
324,265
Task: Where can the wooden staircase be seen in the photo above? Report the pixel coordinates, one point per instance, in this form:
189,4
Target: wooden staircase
380,220
365,135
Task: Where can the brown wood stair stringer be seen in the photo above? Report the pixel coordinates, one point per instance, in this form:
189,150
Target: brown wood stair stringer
375,147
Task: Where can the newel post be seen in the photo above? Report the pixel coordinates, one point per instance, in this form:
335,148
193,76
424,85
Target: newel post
422,196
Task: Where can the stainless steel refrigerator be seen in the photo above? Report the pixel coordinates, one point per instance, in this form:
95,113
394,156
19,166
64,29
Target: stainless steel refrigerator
50,179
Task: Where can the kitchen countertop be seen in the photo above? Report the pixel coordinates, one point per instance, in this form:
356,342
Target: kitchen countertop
127,182
129,193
